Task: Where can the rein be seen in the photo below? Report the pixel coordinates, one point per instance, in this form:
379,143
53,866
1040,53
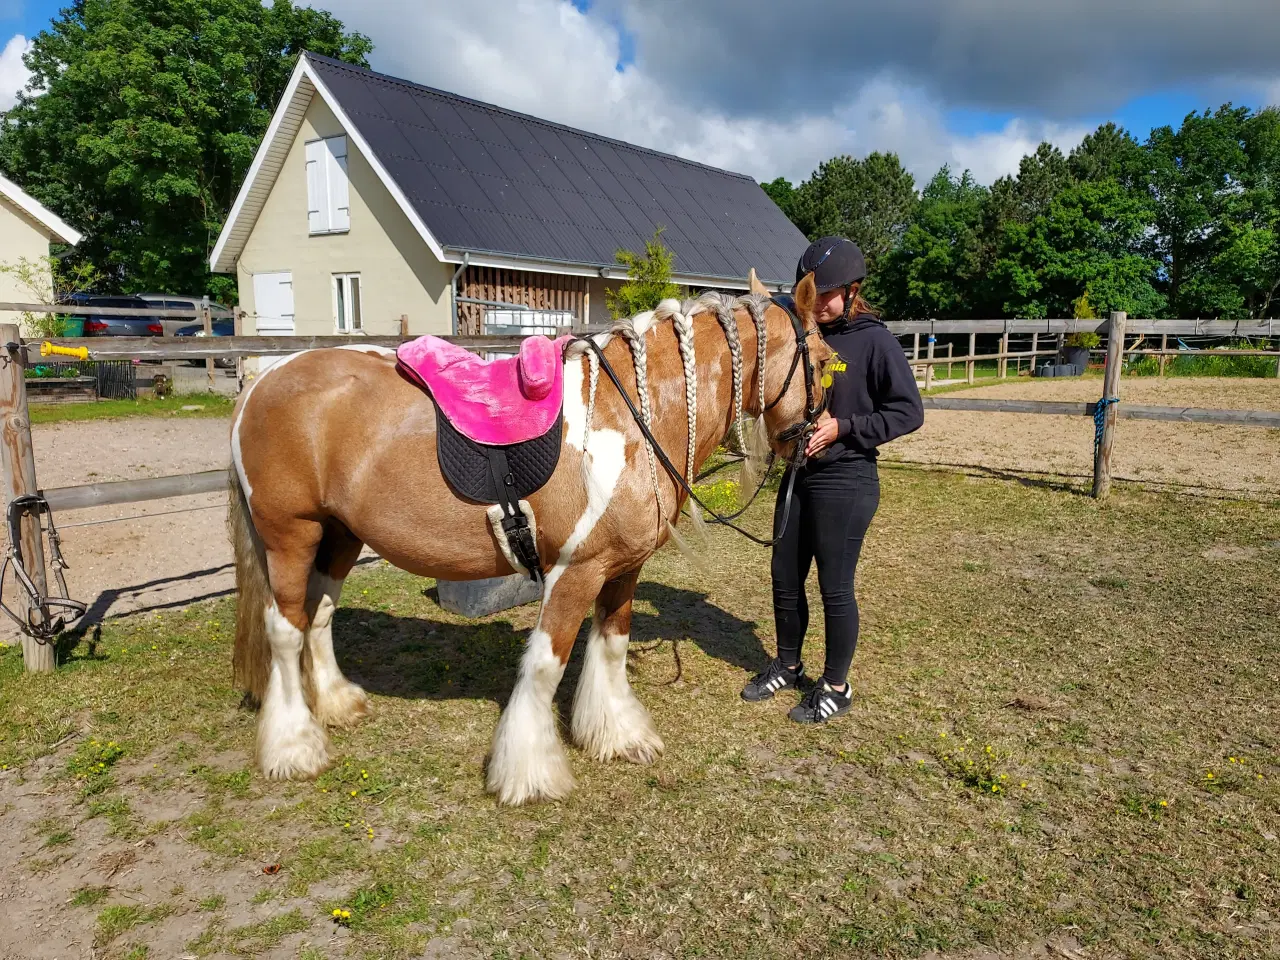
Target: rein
798,431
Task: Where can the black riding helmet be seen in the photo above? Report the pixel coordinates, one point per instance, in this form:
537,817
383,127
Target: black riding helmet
834,262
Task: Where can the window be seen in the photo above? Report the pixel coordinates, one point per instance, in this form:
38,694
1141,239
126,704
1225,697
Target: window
346,302
328,198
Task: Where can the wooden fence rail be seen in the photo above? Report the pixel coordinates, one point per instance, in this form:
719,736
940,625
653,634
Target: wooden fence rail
1236,418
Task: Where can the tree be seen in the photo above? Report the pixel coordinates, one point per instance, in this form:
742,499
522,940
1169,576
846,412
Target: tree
144,118
1216,184
782,193
934,271
1089,239
870,201
648,279
1109,153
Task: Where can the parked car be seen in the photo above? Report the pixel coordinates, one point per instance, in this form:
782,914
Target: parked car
170,301
114,325
221,328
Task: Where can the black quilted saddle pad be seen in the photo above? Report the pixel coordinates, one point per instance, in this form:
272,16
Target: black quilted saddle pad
465,464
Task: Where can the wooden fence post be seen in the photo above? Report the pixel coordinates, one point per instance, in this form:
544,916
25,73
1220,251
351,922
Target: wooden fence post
237,329
404,324
928,371
1164,345
950,354
1003,362
1110,396
973,349
206,320
20,480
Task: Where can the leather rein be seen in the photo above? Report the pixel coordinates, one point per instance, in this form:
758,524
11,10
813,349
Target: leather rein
799,432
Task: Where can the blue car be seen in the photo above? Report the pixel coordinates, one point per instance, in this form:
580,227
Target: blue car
221,328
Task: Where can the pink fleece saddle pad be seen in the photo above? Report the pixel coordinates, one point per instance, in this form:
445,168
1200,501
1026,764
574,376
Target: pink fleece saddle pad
495,402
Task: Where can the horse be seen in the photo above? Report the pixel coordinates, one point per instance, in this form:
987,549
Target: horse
333,449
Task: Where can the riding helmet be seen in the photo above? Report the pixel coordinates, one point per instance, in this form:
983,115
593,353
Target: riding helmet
834,262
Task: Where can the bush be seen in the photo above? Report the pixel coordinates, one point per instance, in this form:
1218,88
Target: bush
648,279
1083,338
1207,365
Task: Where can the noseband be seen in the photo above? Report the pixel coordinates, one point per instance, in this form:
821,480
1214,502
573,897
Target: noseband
799,432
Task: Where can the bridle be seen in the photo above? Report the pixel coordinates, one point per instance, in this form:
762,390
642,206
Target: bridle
799,431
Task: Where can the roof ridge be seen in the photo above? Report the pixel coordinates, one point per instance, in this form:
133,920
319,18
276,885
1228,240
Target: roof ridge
551,124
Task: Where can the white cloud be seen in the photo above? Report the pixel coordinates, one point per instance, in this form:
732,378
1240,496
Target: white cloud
13,72
548,59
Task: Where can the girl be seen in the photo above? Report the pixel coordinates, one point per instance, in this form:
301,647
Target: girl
872,399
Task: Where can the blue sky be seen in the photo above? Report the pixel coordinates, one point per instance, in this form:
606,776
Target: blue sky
971,83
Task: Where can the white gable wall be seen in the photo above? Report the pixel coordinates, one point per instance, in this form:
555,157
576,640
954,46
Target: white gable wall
398,273
20,236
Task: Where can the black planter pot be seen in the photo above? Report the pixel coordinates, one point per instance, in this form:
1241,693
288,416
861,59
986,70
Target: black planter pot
1076,356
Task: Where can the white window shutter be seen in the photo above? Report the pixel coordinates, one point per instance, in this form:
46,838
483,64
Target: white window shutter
318,218
339,193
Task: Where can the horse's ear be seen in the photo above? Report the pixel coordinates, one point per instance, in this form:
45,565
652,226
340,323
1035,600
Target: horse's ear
754,284
806,298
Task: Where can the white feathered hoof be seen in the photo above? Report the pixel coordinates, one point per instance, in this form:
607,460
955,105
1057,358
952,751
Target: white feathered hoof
299,751
626,733
343,706
524,769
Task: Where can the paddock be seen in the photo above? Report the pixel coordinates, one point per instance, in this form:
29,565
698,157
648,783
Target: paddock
1112,654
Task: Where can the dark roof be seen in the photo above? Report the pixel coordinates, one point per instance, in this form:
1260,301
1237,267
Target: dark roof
485,179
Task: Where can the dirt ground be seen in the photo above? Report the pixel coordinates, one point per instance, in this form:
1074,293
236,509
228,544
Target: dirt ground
1205,459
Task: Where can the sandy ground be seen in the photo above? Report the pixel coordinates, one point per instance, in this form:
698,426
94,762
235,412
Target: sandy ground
164,559
1195,458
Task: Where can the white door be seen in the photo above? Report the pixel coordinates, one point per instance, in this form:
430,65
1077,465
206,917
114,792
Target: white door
273,304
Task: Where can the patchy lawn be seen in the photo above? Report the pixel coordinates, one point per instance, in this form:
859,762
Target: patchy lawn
196,404
1065,733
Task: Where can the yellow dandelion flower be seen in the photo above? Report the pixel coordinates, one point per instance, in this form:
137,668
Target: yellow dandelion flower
942,735
1209,775
994,788
346,914
1164,803
337,912
346,826
353,793
1231,759
1023,785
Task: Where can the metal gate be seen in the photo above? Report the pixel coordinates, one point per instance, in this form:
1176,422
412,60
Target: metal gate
115,377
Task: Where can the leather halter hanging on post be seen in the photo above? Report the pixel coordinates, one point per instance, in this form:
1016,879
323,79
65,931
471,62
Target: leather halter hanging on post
799,431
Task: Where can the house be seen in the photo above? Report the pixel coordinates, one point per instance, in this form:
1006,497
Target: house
371,199
27,227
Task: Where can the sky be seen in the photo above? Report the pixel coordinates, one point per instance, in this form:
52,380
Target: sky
773,87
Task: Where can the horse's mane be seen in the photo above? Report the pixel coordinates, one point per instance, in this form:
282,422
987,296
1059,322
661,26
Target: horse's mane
635,330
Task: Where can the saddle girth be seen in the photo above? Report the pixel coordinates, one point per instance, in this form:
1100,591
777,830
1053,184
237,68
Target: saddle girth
514,523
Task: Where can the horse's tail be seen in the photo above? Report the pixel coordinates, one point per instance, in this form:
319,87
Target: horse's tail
252,658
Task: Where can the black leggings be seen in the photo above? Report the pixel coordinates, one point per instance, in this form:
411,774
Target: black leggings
830,511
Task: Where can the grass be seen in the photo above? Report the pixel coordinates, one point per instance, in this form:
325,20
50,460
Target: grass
211,405
88,896
1104,669
118,919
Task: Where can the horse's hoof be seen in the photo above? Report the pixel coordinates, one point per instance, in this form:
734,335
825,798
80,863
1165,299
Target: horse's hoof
301,753
343,706
529,779
643,751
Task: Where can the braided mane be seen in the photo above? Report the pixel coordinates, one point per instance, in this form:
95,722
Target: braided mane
635,331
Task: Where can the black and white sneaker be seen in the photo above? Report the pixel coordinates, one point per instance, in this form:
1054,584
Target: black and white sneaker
775,677
822,704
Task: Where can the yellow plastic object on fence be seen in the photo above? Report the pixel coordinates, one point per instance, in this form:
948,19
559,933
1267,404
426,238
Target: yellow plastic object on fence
48,349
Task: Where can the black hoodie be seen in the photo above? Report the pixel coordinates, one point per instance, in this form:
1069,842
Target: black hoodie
873,391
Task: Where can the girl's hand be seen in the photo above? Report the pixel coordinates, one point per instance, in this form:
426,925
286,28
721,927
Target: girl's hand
824,434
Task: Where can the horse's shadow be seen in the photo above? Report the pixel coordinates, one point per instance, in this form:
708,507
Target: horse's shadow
421,658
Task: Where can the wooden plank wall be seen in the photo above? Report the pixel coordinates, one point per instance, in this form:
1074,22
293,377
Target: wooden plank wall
541,291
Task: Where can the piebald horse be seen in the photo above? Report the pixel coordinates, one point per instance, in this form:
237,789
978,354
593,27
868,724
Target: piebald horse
333,449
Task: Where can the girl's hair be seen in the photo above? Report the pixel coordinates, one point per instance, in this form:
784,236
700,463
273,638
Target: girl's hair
859,304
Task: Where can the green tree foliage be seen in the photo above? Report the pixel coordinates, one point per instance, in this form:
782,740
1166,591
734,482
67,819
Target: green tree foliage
1088,239
936,270
1185,224
870,201
648,279
145,117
